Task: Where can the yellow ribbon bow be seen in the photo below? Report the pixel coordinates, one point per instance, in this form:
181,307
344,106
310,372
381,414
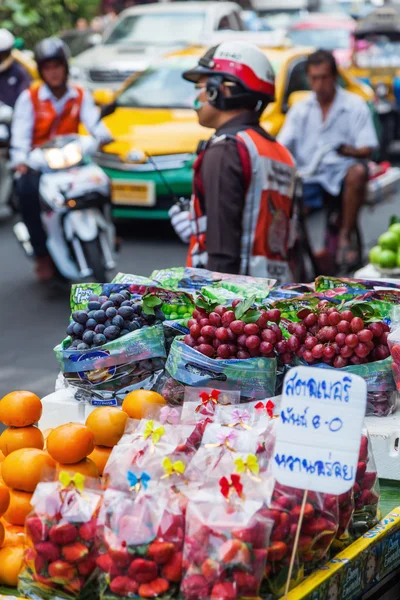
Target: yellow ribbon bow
78,480
156,434
249,466
178,467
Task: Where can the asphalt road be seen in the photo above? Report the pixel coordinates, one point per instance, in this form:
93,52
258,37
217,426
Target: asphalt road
33,317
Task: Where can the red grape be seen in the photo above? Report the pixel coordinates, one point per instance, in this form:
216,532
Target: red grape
334,318
235,303
216,344
190,341
201,340
231,335
300,351
318,351
351,340
340,339
223,351
346,351
276,329
370,345
291,328
323,304
331,333
241,341
237,327
376,329
383,338
266,348
347,315
198,314
300,331
310,320
331,310
385,326
263,320
340,362
343,326
356,325
208,331
254,352
220,310
381,352
252,342
307,356
251,329
269,336
361,350
313,330
281,347
206,349
310,342
329,352
303,313
321,335
323,320
293,343
336,348
327,361
272,355
242,354
191,322
228,317
365,335
274,315
215,319
286,358
204,321
357,360
222,334
195,330
233,349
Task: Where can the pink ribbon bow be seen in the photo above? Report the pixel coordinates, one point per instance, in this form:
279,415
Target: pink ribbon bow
169,415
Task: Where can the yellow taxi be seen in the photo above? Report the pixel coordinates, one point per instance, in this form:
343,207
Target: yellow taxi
156,132
26,62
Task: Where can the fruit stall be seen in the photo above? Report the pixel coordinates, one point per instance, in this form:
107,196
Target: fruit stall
152,470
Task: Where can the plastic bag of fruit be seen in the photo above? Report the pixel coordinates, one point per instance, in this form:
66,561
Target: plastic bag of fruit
394,347
225,545
365,490
141,543
61,539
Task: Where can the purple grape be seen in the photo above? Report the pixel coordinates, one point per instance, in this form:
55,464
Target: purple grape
90,324
70,329
106,305
99,328
78,329
111,333
94,305
126,312
99,339
82,346
88,336
100,316
80,316
118,321
111,312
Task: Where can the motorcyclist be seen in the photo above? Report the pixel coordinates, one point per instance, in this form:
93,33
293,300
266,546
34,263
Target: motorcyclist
243,178
13,77
53,108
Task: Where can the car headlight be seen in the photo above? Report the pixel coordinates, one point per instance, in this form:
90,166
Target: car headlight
382,91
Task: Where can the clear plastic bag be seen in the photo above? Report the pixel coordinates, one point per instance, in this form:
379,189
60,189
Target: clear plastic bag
365,490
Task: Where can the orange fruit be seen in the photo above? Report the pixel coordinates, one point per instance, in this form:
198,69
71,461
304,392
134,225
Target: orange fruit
11,564
136,402
20,409
20,507
4,499
46,434
14,534
24,468
2,533
107,425
100,457
86,467
70,443
2,457
15,438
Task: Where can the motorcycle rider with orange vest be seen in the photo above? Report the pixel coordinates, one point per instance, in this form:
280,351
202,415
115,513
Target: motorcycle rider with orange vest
243,178
40,113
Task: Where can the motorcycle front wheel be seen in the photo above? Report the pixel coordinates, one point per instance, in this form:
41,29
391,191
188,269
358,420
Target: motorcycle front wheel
95,260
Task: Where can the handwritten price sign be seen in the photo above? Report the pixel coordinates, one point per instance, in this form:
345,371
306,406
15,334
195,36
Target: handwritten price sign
318,434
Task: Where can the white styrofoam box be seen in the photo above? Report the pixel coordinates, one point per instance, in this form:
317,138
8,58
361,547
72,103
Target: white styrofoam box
59,408
384,433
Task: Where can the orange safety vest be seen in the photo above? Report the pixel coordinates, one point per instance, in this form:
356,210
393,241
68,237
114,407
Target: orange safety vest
267,209
47,123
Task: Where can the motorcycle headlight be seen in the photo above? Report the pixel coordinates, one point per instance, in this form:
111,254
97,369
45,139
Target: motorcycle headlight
63,158
382,91
54,158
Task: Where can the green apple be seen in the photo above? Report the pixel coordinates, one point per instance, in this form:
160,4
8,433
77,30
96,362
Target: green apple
374,255
387,259
395,228
388,241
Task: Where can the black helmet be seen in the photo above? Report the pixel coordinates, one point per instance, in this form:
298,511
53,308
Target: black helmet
51,49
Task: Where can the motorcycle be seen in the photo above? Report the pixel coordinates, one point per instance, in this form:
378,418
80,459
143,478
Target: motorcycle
75,197
6,178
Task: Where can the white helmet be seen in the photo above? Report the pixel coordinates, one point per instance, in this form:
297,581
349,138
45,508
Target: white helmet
6,40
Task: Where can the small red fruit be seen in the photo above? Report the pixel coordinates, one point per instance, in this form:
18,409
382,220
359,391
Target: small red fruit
37,529
123,586
61,572
351,340
143,571
161,552
224,591
228,317
48,551
277,551
63,533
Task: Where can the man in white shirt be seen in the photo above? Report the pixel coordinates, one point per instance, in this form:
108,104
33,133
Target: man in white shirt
40,113
333,117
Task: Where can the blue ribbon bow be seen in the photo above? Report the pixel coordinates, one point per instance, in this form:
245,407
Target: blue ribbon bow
143,479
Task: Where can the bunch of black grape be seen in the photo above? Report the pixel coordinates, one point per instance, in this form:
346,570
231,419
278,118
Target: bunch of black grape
108,318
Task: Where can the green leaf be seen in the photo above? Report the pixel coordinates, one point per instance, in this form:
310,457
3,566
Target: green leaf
151,300
251,316
244,306
148,310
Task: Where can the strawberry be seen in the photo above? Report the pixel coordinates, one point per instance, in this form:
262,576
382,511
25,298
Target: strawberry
123,586
74,553
365,498
308,513
120,557
87,531
305,541
369,480
356,489
363,455
277,551
246,583
195,587
63,533
330,502
395,352
254,535
105,563
361,468
211,569
87,566
48,551
173,569
259,558
279,534
40,563
317,526
75,585
43,580
374,499
344,498
274,515
224,591
195,553
284,502
161,552
61,572
143,571
153,589
37,529
234,551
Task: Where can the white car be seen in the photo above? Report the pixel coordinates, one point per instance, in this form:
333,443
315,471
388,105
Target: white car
144,33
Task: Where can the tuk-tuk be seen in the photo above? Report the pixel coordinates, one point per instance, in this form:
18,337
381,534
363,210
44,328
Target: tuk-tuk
376,61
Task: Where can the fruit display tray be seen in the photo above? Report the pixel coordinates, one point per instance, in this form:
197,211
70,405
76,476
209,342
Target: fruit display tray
384,433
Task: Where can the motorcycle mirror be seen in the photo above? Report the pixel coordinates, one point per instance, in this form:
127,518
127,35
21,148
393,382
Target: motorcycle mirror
107,110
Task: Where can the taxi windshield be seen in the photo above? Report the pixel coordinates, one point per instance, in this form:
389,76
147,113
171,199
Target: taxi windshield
328,39
158,29
378,51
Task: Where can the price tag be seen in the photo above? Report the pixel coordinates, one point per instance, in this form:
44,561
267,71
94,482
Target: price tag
319,430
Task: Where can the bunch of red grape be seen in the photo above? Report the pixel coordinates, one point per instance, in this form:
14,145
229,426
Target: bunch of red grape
337,338
219,334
